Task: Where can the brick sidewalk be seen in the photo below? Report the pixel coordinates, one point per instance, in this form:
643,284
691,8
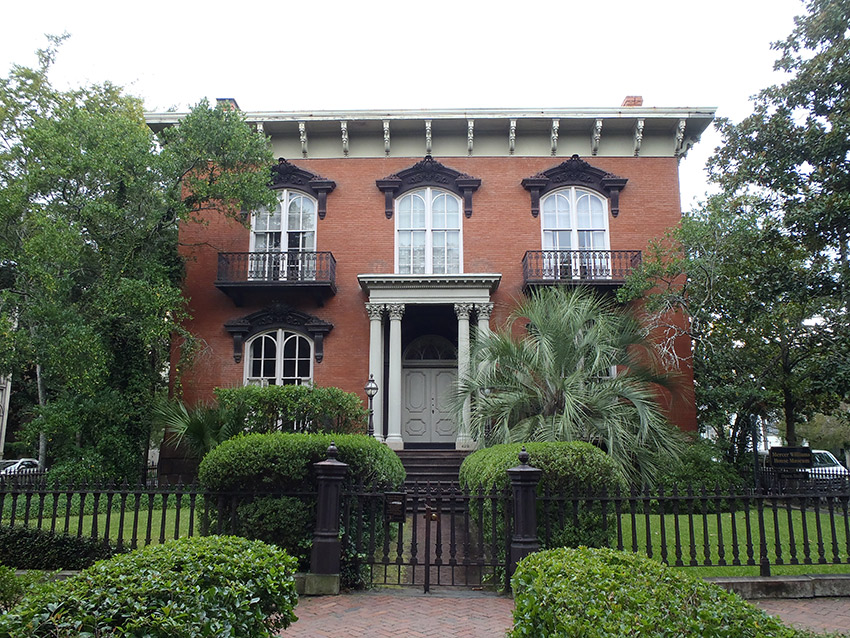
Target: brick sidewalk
817,614
403,614
445,613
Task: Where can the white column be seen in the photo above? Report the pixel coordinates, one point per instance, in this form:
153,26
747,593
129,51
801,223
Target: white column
484,310
394,440
463,310
376,364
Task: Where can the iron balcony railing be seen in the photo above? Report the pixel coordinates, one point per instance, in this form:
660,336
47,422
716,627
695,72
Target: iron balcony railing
605,267
271,268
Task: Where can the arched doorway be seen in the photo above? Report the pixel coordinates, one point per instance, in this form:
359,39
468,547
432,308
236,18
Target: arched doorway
429,374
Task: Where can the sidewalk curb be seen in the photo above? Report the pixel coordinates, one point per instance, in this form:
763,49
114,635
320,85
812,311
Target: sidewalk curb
814,586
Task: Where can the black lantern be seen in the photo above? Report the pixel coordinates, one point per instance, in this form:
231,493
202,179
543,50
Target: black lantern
371,389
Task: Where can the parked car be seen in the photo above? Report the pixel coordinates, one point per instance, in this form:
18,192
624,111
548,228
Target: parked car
826,466
18,466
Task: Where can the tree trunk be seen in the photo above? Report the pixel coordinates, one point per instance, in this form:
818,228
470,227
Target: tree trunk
42,436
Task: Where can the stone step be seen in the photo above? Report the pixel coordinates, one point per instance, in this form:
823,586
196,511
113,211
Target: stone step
423,466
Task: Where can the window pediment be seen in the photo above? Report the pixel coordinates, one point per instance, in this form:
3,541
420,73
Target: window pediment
278,316
286,175
574,172
428,172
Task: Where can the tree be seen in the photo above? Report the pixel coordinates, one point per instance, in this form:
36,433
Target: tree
793,152
90,200
550,376
767,340
762,268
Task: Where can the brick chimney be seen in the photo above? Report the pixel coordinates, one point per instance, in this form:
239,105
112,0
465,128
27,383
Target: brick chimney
228,102
633,100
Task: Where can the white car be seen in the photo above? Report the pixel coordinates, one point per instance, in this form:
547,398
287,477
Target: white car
18,466
826,466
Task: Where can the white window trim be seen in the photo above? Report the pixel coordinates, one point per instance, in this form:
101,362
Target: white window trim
279,337
283,195
574,216
429,246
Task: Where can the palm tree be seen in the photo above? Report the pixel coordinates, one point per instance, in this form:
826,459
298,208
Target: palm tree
200,427
571,366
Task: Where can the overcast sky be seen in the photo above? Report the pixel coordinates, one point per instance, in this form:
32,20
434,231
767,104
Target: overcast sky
318,55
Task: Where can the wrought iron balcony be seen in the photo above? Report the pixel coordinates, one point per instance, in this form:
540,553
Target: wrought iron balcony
600,268
258,272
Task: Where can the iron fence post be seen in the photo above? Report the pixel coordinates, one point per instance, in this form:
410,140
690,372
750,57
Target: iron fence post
524,480
325,556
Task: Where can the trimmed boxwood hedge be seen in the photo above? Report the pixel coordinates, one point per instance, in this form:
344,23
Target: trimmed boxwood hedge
572,466
203,586
276,465
596,593
294,408
281,462
568,467
31,548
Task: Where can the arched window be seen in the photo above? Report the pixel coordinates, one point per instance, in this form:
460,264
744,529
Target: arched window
428,233
279,357
280,237
575,228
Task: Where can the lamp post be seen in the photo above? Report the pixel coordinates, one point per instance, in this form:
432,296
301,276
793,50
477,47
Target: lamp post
371,389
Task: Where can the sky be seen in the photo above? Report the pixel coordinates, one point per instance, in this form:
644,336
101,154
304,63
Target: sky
375,54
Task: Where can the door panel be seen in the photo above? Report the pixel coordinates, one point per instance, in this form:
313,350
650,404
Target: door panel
426,412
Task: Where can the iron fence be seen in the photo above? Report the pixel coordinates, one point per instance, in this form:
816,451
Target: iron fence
702,527
442,534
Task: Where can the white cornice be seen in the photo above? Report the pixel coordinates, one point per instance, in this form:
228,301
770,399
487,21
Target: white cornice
630,112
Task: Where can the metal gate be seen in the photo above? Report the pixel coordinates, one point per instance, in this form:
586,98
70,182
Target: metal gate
436,534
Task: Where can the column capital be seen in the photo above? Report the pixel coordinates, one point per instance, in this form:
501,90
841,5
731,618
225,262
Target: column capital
396,311
463,310
484,310
375,311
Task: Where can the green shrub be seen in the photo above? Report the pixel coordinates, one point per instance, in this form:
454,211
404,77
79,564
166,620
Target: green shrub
295,408
284,521
210,586
30,548
13,587
567,468
596,593
700,464
283,462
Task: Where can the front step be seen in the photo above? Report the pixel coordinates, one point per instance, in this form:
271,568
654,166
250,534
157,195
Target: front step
423,466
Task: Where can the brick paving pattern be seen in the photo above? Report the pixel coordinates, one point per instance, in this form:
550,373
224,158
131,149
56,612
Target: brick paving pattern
823,615
409,613
403,615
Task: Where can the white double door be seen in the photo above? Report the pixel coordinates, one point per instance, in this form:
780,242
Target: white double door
426,414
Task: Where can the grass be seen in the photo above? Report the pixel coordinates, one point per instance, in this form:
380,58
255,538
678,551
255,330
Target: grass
706,543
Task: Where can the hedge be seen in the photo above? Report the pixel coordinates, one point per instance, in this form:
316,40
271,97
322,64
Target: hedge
278,469
209,586
596,593
283,462
31,548
294,408
567,467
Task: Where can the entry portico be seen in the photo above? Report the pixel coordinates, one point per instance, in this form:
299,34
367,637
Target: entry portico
390,297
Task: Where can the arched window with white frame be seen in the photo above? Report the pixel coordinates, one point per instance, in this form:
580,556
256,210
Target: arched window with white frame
575,234
283,240
279,357
428,233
